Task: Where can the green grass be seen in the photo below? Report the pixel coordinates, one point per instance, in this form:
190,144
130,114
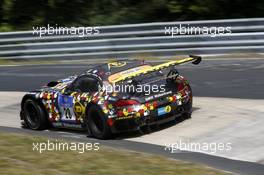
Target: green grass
18,157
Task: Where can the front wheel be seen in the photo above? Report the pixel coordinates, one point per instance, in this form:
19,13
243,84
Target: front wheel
34,115
96,122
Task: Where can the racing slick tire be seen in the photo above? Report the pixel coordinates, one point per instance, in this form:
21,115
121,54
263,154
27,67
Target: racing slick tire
34,116
187,114
187,107
97,123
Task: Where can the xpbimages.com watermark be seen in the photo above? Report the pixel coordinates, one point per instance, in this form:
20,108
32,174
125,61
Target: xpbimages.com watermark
64,146
146,89
197,30
58,30
183,145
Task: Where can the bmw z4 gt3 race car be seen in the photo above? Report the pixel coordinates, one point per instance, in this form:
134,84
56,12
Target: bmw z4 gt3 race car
111,98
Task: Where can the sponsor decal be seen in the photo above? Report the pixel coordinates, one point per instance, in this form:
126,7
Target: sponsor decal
78,110
164,110
126,73
157,95
116,64
65,101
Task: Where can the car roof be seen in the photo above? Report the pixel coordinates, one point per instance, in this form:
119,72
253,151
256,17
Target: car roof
107,69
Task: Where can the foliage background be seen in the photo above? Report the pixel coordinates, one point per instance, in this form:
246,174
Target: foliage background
23,14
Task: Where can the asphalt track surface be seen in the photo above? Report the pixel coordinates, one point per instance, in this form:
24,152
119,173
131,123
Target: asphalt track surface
212,78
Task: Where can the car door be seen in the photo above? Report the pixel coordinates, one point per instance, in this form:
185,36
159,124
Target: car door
72,108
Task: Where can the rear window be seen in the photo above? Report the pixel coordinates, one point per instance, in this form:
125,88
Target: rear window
119,66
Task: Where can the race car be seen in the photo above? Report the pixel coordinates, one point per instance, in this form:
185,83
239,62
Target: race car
110,98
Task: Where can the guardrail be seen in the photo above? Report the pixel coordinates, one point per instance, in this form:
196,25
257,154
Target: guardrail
136,39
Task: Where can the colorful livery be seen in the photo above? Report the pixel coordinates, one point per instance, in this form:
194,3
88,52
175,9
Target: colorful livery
111,98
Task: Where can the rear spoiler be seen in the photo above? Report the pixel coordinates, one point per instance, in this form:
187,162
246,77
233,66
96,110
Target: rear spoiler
195,60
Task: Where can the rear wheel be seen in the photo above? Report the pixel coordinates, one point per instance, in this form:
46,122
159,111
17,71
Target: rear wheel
34,115
187,107
96,122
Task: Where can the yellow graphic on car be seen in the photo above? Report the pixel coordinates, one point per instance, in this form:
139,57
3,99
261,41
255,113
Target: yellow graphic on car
116,64
145,69
78,109
115,77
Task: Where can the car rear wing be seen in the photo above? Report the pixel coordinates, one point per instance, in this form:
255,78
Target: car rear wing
195,60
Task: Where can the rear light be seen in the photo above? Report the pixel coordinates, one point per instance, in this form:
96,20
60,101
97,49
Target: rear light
155,104
110,122
172,98
180,87
141,111
126,107
120,113
122,103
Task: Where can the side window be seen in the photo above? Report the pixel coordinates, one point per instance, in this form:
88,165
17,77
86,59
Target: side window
86,83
